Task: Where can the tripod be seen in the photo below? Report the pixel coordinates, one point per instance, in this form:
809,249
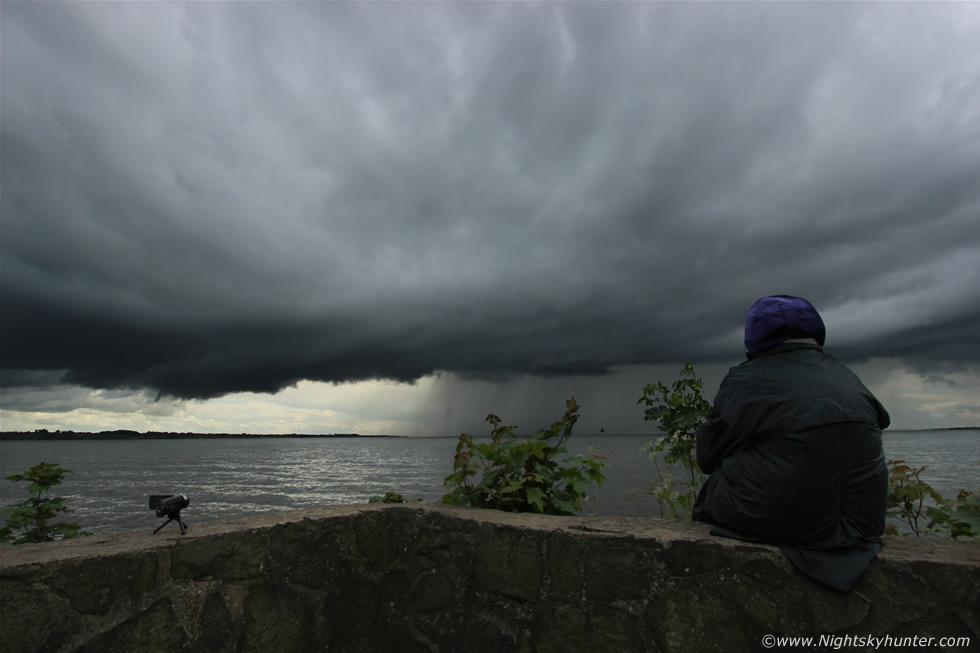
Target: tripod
173,516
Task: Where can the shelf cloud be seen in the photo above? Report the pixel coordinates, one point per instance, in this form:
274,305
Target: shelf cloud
207,198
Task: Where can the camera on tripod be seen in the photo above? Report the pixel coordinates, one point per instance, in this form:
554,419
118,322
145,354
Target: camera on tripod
170,505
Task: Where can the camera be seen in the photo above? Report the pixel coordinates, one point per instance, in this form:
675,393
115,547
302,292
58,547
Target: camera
170,505
166,504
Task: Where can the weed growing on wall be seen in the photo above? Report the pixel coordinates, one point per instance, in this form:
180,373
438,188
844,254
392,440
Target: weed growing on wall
523,475
29,521
679,411
390,497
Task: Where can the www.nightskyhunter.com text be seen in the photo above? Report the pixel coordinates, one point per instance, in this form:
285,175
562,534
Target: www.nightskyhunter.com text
871,642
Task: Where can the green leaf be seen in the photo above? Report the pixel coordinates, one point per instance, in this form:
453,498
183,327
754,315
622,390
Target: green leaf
535,497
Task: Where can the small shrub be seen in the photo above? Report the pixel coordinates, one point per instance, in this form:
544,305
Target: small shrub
518,475
679,411
28,521
913,502
389,497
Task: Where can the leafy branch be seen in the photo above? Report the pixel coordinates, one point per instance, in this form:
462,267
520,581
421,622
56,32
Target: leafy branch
28,521
913,502
508,473
679,410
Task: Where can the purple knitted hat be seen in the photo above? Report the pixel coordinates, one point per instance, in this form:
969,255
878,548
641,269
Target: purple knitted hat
776,318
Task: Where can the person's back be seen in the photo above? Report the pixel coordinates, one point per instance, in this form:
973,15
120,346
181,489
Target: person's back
793,448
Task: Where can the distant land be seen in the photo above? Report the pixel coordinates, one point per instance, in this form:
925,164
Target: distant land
945,428
122,434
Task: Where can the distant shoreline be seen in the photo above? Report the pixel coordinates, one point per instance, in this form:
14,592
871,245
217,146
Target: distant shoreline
163,435
942,428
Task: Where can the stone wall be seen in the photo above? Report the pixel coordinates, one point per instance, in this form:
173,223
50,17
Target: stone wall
427,578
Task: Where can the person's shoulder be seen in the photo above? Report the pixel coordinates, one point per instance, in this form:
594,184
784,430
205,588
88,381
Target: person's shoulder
740,373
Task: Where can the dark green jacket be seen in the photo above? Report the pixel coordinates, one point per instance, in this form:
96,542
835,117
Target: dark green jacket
793,449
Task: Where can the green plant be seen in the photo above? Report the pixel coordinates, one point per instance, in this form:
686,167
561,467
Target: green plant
390,497
913,502
523,475
960,515
28,521
679,410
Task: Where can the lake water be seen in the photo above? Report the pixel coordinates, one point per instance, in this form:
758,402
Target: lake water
227,478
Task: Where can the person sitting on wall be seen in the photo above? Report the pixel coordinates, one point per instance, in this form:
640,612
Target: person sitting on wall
793,449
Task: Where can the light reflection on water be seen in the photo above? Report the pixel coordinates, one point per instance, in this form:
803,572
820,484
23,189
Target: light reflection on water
951,458
227,478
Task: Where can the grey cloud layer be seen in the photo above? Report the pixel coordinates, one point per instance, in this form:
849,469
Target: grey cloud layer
205,198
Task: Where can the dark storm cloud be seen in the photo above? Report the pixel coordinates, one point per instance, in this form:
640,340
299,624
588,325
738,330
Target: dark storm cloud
206,198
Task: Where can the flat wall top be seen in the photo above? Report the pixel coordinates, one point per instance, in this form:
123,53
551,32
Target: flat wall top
639,528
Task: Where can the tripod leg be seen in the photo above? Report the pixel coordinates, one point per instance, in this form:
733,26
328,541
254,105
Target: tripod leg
180,523
162,525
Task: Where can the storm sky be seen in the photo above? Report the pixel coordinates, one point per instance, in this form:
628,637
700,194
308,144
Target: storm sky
395,217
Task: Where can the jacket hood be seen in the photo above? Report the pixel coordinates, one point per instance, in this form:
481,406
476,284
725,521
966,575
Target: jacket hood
776,318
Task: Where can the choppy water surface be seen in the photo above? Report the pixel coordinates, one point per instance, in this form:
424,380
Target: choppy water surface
227,478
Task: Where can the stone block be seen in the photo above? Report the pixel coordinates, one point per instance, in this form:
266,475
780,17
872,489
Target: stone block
153,630
565,561
509,562
93,586
617,570
231,557
276,618
215,625
30,617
